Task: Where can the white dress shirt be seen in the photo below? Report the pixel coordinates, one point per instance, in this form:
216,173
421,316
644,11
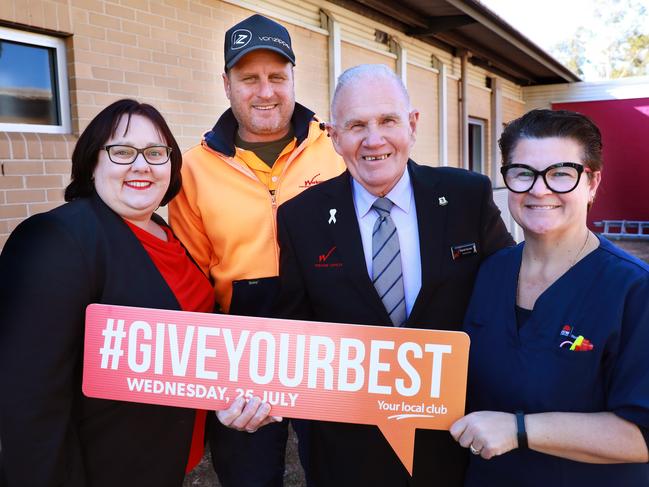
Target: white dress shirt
404,215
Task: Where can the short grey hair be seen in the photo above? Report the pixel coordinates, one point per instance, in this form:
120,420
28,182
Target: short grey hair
366,72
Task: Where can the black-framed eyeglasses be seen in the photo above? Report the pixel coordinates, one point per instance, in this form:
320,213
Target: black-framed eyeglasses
561,177
155,155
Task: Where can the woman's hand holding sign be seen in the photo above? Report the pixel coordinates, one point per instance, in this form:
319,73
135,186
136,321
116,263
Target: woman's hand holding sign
486,433
247,414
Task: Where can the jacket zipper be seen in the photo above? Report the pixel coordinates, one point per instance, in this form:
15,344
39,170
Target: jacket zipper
274,193
274,197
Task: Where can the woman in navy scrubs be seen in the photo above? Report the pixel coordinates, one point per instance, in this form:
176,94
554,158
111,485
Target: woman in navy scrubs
559,326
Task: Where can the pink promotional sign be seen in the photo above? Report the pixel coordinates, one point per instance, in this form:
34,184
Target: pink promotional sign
398,379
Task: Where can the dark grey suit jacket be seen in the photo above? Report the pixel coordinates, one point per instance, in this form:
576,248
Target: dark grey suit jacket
53,266
339,289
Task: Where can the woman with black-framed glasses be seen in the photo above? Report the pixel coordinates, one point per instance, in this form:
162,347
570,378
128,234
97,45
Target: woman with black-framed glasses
559,178
559,326
106,245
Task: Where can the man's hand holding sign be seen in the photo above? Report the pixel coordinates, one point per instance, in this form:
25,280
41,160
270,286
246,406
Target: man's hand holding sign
397,379
247,414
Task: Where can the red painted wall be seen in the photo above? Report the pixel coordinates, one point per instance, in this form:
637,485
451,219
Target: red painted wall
624,191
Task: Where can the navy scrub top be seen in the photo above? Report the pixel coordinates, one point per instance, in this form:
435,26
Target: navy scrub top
604,298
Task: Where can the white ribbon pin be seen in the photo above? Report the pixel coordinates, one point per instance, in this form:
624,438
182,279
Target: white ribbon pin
332,218
443,201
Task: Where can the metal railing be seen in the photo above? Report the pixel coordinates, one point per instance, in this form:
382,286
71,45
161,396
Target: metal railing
624,229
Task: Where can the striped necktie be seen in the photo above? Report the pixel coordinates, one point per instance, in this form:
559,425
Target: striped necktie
386,263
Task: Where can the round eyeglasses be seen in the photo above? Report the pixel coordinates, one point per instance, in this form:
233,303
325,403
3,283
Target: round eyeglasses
561,177
155,155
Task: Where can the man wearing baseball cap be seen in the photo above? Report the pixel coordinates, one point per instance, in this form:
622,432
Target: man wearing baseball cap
264,150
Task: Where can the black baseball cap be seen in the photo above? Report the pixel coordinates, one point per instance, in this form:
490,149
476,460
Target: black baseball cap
256,32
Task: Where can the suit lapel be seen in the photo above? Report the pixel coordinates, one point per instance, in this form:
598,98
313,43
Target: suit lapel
431,220
125,249
349,246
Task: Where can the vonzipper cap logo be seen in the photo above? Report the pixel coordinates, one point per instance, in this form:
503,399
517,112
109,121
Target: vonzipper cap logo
240,39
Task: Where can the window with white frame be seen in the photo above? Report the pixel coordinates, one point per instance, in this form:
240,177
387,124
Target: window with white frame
33,83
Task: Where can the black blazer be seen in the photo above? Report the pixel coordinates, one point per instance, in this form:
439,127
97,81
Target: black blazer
53,265
338,289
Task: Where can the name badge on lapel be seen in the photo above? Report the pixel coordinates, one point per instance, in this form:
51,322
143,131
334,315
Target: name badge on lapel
458,251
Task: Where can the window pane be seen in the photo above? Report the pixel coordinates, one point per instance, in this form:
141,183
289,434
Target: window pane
476,151
28,91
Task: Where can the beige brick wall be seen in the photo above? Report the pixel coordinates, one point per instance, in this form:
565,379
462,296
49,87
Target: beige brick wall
311,70
34,169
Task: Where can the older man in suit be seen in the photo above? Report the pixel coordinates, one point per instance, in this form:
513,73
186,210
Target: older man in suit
389,242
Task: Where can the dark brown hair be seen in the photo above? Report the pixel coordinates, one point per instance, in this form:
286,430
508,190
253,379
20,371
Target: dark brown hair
542,123
103,127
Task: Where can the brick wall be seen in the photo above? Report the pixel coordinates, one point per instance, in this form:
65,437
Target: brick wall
311,69
34,169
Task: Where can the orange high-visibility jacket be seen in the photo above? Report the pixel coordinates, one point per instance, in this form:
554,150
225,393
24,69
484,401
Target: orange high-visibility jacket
225,213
